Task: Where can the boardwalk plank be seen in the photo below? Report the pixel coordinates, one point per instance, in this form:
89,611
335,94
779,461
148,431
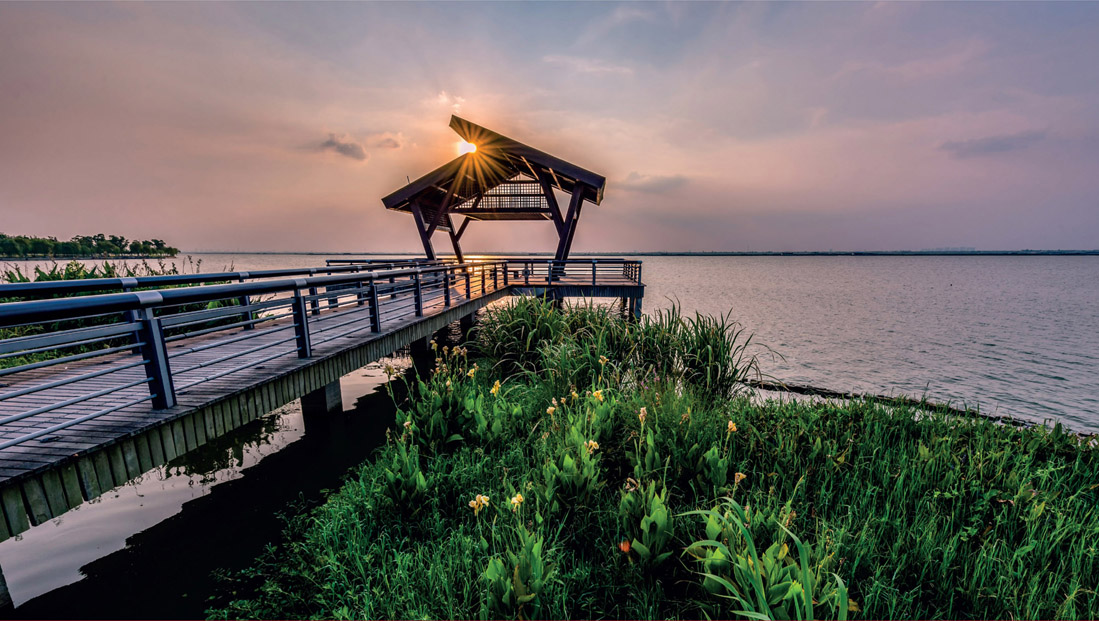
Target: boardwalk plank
118,465
35,496
14,510
89,479
55,492
70,481
103,471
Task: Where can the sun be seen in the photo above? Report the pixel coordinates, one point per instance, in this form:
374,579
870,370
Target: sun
465,147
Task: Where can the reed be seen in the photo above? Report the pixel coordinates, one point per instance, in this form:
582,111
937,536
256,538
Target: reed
630,497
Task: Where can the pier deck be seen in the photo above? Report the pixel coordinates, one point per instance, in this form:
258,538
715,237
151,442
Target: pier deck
112,385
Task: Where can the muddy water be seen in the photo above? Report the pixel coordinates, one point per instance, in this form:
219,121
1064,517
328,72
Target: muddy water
153,548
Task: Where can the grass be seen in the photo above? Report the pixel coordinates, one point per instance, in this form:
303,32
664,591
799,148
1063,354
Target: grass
655,489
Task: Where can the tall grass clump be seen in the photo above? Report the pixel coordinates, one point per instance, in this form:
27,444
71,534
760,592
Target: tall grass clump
567,476
713,354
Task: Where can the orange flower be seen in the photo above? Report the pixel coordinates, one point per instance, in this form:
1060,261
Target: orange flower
624,546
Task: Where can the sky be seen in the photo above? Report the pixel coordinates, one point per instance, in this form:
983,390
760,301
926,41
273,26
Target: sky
719,127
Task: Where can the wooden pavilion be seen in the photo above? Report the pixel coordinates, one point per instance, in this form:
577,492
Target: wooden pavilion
503,179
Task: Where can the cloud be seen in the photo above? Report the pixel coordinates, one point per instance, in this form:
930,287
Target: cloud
344,146
991,145
386,141
588,65
652,184
453,102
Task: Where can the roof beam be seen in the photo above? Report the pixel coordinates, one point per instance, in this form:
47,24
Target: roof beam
551,200
445,206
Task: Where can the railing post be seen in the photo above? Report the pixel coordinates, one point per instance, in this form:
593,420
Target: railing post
526,274
128,285
593,272
495,278
314,302
375,310
155,354
245,303
446,288
301,326
419,295
469,294
360,297
392,281
506,267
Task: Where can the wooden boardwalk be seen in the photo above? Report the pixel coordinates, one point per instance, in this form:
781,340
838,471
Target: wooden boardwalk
222,379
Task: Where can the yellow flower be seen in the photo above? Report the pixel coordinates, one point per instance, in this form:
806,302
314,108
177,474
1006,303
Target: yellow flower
642,415
732,427
598,395
516,500
593,446
390,371
408,424
575,396
495,388
472,372
738,477
603,360
480,501
550,410
434,345
554,401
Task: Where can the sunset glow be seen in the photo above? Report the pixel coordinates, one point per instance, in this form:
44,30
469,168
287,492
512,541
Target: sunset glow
779,126
466,147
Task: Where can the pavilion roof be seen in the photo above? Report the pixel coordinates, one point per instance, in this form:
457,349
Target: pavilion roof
498,162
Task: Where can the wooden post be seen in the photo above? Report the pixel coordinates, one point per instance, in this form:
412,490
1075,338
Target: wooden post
565,242
325,400
421,228
454,237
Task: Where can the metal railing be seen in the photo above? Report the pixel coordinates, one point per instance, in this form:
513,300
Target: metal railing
70,361
46,289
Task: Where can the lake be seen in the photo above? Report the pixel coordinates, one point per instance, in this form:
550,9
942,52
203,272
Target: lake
1015,335
1012,335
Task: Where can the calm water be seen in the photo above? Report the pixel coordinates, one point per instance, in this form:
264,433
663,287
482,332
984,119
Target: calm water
1015,336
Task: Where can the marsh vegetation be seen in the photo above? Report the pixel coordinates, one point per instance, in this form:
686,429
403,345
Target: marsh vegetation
573,464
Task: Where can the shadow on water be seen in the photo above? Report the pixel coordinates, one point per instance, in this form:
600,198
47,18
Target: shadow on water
151,548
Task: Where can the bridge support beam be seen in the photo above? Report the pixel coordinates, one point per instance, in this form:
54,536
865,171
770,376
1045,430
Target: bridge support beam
325,400
634,304
466,324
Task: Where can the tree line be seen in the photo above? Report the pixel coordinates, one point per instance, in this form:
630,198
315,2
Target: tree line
98,245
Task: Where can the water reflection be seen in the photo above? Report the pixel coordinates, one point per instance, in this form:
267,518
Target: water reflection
151,548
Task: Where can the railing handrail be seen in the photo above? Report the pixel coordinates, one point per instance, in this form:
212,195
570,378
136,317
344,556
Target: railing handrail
84,285
14,313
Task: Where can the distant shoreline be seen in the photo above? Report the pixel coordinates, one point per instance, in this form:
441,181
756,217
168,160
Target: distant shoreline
806,253
109,257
